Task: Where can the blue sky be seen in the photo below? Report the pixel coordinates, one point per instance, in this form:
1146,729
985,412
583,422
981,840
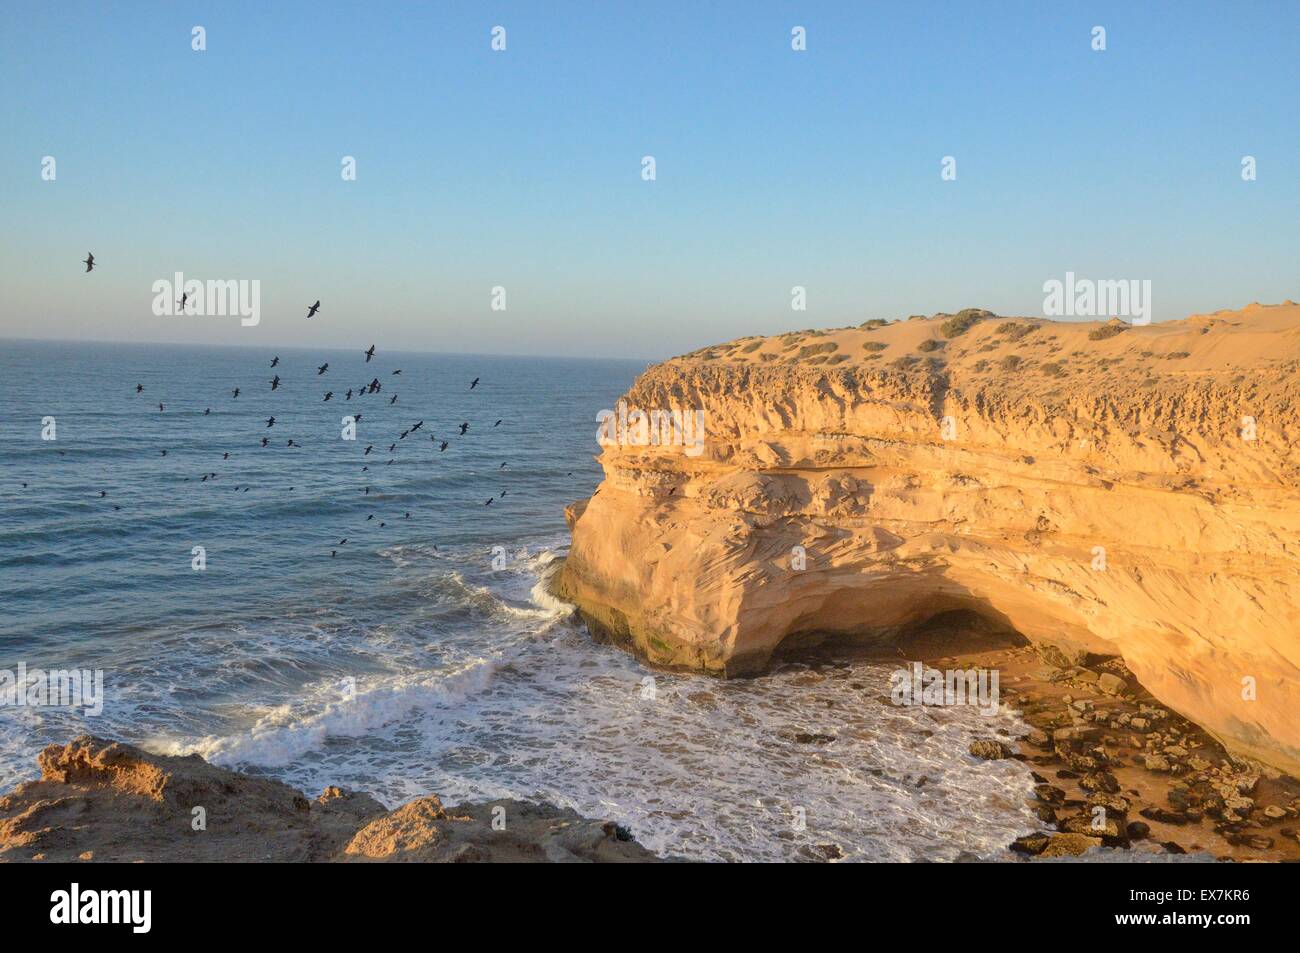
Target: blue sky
522,168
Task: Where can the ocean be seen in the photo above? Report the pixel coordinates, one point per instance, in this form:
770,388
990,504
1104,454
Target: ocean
423,655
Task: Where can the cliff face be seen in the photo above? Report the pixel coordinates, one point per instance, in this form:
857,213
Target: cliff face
1100,488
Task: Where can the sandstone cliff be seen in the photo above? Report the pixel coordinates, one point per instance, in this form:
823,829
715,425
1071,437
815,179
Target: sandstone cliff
1098,487
104,801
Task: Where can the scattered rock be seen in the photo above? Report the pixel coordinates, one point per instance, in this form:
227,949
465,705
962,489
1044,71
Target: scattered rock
1109,684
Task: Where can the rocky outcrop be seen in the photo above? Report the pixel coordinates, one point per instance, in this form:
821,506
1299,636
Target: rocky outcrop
1098,487
101,800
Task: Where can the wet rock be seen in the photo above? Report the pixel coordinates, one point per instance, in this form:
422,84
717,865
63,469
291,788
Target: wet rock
989,749
1100,781
1161,816
1032,844
1049,794
812,738
1069,845
1137,830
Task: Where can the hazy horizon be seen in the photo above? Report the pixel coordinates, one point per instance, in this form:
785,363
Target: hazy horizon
522,169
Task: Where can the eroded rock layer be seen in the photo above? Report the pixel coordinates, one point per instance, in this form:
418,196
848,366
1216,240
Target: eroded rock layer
99,800
1102,488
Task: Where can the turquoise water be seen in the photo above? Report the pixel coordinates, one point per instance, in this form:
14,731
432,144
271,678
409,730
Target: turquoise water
407,661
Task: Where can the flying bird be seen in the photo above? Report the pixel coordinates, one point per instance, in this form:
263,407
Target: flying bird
139,388
329,394
392,400
265,441
236,393
160,407
270,421
473,383
497,424
463,428
396,372
370,353
275,361
275,382
311,312
443,447
89,262
322,369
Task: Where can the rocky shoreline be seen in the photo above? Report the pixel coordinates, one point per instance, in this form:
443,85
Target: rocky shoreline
1113,768
100,800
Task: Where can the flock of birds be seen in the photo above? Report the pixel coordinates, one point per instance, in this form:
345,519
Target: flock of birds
373,387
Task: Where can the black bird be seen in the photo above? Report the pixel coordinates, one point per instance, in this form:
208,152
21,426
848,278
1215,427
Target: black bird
416,427
367,491
103,493
207,411
370,353
265,441
393,400
329,394
89,262
311,312
139,388
164,453
275,382
368,449
236,393
160,408
370,517
463,428
404,435
497,424
407,516
349,395
473,383
375,385
382,525
343,541
503,494
292,444
396,372
225,456
443,447
184,298
270,421
275,360
322,369
357,417
333,553
502,467
392,447
489,502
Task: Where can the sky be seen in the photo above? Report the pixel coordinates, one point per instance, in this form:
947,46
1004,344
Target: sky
522,169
